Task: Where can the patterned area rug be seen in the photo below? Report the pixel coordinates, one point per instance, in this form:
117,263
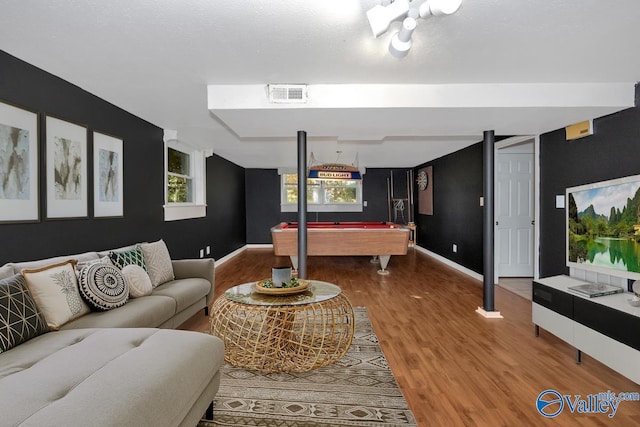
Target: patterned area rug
359,390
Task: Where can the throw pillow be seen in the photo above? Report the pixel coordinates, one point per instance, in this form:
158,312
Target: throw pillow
126,257
138,281
80,265
103,287
55,289
158,261
20,318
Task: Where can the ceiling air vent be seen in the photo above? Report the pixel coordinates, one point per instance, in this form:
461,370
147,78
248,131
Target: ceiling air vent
287,94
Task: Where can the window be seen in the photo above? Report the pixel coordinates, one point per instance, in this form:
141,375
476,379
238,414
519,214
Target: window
185,179
179,179
322,195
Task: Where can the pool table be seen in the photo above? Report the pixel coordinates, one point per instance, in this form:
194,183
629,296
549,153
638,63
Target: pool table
377,239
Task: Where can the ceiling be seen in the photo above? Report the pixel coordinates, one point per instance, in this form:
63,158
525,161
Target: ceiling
518,67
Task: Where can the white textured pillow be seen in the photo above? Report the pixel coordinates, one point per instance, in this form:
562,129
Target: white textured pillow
55,290
158,261
138,281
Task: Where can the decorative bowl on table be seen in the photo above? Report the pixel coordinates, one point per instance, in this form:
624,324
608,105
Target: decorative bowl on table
293,286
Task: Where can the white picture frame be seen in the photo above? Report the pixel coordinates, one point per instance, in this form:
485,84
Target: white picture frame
66,169
19,165
108,176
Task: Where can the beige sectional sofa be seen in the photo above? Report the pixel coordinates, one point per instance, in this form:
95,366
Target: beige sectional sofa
120,367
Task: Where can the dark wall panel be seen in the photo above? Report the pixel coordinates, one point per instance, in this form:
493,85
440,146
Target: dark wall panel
35,89
612,152
226,205
263,204
457,214
263,201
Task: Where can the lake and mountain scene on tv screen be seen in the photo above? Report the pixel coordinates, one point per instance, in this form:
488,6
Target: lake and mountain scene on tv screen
604,226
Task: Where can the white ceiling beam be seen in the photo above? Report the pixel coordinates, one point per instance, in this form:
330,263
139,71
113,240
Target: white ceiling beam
527,95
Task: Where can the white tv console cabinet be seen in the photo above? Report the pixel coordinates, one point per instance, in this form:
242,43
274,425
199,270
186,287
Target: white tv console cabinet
606,328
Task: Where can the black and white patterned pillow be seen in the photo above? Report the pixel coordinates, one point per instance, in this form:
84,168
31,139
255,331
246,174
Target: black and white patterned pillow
126,257
103,287
20,317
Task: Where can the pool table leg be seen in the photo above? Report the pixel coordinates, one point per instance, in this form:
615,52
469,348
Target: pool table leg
294,262
384,260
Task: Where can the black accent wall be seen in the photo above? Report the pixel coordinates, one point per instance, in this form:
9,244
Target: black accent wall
263,201
611,152
226,206
223,229
244,204
457,214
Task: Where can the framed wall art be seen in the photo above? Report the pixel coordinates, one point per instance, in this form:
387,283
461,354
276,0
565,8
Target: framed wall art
108,184
66,171
19,198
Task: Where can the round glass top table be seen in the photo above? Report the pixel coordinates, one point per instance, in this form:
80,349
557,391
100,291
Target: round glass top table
283,333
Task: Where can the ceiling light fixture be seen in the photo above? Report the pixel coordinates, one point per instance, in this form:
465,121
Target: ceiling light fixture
333,171
401,41
381,16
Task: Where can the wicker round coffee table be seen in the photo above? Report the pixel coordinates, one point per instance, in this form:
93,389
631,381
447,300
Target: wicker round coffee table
288,333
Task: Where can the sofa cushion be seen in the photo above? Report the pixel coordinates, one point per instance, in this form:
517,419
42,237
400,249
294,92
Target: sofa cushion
82,264
110,377
126,257
20,318
120,249
31,265
158,261
55,290
184,291
148,312
6,271
103,286
138,281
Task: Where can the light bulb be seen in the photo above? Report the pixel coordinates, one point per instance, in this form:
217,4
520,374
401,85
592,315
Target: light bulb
439,7
401,41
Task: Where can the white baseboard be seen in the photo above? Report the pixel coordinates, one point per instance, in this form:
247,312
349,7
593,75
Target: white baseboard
259,246
240,250
450,263
227,257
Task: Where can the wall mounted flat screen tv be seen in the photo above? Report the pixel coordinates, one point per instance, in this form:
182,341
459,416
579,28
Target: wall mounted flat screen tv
603,227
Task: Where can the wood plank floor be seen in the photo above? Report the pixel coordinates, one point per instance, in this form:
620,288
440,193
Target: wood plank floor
453,366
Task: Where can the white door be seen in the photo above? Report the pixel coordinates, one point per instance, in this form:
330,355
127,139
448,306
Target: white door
514,214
